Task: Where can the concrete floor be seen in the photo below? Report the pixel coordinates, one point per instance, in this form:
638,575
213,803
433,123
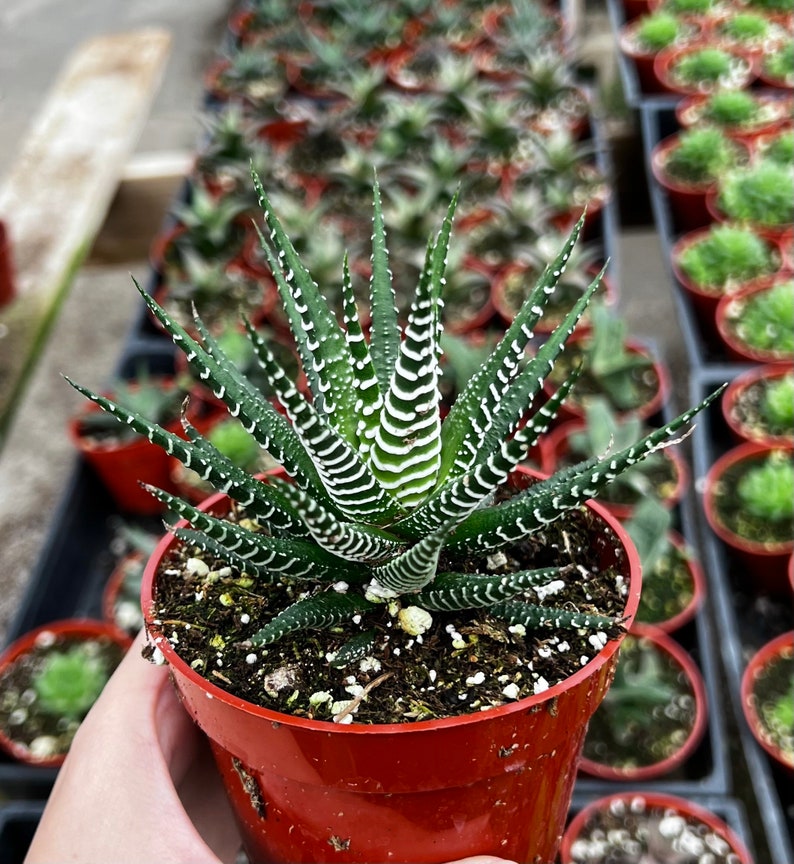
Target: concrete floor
36,460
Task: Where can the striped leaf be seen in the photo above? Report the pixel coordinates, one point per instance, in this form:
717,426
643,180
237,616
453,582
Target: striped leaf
450,592
535,617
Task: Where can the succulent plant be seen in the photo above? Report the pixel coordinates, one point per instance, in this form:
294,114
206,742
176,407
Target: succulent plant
777,405
701,155
766,490
765,320
387,503
70,680
708,66
731,108
657,30
779,62
761,193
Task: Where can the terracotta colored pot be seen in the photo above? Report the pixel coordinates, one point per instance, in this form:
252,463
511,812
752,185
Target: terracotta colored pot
73,630
776,108
574,410
664,67
704,302
646,801
782,647
498,782
698,581
764,564
730,309
687,200
555,447
123,465
740,431
643,59
7,281
665,645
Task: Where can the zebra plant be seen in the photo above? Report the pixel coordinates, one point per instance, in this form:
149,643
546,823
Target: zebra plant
380,487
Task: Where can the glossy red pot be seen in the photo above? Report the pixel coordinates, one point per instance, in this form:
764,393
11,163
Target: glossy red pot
637,802
665,645
72,630
7,279
498,782
729,312
779,648
687,200
733,418
764,564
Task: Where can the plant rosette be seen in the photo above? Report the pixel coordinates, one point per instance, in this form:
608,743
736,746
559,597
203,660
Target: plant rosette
750,30
293,778
759,405
760,195
776,66
667,481
747,501
700,67
687,164
642,38
398,519
720,260
768,699
742,114
49,678
653,716
756,325
641,826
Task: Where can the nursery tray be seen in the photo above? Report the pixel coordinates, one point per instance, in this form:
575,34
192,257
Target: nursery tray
743,624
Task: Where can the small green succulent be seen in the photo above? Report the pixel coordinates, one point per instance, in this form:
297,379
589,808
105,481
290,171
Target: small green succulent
726,256
381,487
658,30
745,27
766,490
761,193
778,147
701,155
731,108
764,320
777,405
70,681
705,65
779,63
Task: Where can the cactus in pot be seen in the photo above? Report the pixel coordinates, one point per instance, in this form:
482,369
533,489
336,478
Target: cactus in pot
405,577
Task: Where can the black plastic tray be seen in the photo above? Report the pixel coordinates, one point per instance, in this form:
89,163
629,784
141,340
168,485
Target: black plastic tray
743,625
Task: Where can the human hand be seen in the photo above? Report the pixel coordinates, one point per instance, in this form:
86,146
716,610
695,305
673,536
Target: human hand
138,780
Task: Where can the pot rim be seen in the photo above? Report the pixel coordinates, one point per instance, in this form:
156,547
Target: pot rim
530,703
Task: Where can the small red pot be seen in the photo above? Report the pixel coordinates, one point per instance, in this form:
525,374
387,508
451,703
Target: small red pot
687,200
555,446
643,60
123,466
646,801
704,302
666,60
739,385
573,410
782,647
7,280
698,577
73,629
307,790
730,308
776,109
667,645
765,565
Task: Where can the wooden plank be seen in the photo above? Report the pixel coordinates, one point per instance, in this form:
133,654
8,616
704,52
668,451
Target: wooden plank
57,193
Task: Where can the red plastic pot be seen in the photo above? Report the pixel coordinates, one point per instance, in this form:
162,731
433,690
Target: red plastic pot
704,301
764,565
664,67
646,801
687,200
730,309
666,645
72,629
782,647
555,446
573,410
7,281
498,782
123,466
698,579
740,431
776,108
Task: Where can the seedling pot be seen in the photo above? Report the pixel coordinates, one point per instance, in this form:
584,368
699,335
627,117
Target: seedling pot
740,430
497,782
